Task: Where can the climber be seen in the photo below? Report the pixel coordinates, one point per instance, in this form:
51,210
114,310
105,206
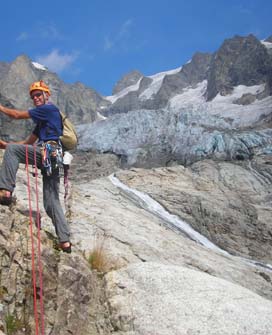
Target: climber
48,128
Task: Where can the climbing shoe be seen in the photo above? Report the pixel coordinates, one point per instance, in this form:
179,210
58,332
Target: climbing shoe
67,249
5,198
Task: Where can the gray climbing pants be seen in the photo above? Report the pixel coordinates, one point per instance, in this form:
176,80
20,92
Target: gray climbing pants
16,154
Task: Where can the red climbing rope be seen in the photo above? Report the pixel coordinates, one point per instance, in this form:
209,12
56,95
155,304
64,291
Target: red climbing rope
38,218
34,281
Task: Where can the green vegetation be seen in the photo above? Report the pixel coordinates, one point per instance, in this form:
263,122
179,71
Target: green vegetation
13,324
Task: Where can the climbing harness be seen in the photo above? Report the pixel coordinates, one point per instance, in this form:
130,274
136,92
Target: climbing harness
53,158
34,279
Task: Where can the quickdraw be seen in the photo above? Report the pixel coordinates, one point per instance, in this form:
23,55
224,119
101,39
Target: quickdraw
52,157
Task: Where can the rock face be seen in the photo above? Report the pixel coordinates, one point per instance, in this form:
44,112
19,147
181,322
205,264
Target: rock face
73,296
19,129
4,67
269,39
177,294
227,203
63,278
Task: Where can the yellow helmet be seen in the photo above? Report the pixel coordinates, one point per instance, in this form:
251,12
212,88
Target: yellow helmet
39,85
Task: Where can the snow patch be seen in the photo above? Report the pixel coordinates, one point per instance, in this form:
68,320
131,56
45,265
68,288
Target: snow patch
39,66
194,100
125,91
268,45
190,96
238,92
100,116
156,83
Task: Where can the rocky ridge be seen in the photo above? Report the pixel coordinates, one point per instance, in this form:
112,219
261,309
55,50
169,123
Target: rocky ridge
239,61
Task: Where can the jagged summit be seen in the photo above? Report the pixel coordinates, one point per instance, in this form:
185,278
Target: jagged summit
128,79
239,61
269,39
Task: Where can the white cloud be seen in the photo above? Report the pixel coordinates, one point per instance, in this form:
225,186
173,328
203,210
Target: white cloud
108,44
121,35
125,28
23,36
50,31
57,62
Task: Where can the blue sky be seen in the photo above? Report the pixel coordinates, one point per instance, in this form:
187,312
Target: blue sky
96,42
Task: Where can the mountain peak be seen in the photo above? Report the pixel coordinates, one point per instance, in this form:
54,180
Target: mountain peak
269,39
22,59
239,61
128,79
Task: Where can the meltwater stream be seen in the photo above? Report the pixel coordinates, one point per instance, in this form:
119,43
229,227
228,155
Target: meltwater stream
174,222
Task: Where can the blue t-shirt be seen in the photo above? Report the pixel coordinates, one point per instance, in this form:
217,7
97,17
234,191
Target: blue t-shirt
48,122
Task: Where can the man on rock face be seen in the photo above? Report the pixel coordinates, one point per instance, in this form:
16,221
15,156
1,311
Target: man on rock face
47,119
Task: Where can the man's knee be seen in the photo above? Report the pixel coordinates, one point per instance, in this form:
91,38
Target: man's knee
11,147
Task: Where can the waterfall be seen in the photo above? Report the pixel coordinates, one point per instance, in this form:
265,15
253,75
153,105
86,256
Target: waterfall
174,222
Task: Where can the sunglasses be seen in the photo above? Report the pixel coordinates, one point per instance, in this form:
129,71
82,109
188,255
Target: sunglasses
37,95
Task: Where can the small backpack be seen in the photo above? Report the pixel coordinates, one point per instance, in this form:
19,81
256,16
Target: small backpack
69,137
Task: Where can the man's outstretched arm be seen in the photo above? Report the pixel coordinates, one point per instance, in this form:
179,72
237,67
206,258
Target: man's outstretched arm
14,113
30,140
